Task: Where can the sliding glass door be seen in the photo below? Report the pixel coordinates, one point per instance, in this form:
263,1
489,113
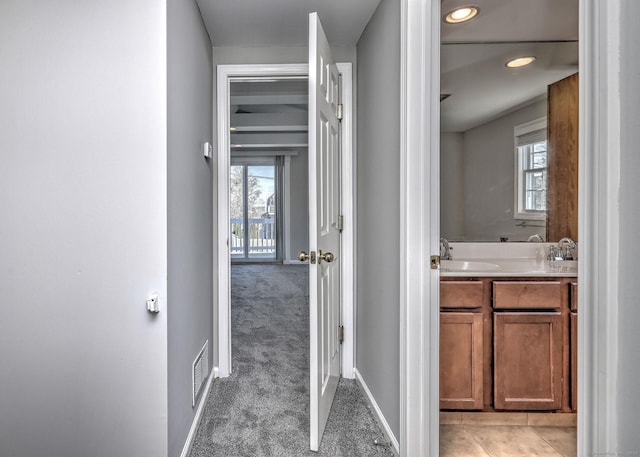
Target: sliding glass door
253,210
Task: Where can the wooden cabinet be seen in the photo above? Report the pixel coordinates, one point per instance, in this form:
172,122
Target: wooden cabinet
527,360
508,344
562,159
573,318
461,367
465,340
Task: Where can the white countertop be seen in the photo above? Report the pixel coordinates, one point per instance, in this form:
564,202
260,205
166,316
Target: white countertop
507,267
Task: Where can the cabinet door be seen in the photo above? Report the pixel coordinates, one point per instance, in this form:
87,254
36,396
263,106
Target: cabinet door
527,361
461,349
574,361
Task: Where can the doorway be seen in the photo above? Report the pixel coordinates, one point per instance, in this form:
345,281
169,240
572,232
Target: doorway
222,316
599,153
500,161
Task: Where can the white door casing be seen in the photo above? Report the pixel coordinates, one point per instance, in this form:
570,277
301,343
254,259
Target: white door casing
598,215
222,309
419,227
324,235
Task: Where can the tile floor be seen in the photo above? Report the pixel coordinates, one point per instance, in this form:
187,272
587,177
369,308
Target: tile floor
522,435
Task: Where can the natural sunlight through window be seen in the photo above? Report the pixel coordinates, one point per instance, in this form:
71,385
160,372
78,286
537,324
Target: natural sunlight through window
531,170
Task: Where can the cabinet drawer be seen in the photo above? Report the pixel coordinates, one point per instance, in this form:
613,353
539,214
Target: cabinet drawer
527,294
461,294
574,296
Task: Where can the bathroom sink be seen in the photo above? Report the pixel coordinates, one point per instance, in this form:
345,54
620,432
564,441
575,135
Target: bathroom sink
463,265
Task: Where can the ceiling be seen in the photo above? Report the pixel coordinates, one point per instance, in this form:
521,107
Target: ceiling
268,117
283,22
474,53
483,89
514,20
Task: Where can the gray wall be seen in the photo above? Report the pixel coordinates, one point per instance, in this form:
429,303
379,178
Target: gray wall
299,205
488,176
276,54
83,236
629,341
190,208
378,190
451,186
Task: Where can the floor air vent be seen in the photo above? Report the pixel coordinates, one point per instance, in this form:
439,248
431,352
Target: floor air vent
200,371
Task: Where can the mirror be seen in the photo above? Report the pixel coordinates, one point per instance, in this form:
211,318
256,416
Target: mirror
487,110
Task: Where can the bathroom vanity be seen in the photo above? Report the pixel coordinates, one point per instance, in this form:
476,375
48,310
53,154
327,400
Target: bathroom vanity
508,334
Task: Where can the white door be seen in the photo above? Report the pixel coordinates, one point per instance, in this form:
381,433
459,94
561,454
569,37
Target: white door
324,235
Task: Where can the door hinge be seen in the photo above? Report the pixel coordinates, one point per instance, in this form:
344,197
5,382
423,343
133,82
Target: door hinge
339,113
435,262
341,222
341,334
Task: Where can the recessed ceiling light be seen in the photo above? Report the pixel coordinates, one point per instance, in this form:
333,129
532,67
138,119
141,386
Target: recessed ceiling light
461,14
520,62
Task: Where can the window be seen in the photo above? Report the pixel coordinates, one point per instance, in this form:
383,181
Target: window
531,170
254,218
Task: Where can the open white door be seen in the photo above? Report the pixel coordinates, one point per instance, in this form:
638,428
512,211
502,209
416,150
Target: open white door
324,235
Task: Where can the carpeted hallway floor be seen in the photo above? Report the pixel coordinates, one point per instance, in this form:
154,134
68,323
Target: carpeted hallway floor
262,409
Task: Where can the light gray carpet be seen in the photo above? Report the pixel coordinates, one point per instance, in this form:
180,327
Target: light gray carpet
262,409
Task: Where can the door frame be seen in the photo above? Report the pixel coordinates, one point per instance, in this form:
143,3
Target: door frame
222,312
599,218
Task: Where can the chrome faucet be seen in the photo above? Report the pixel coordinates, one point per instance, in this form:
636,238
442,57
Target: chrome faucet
569,246
564,250
445,249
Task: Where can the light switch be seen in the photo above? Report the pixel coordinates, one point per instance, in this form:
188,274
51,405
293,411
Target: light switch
207,150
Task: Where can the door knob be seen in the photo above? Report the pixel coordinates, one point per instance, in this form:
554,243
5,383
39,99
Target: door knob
327,257
303,256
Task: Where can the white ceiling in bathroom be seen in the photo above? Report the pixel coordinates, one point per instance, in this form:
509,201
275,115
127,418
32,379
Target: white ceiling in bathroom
474,53
483,89
514,20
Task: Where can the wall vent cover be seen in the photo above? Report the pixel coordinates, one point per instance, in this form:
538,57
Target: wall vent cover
199,371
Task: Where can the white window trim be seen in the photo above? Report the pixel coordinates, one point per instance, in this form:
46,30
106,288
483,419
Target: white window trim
519,130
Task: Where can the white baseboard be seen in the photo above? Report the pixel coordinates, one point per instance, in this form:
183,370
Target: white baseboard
377,413
196,419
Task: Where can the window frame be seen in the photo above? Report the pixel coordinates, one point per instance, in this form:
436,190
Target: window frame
519,176
246,162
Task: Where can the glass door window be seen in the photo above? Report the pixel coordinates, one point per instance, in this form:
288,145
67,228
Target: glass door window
253,211
237,212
